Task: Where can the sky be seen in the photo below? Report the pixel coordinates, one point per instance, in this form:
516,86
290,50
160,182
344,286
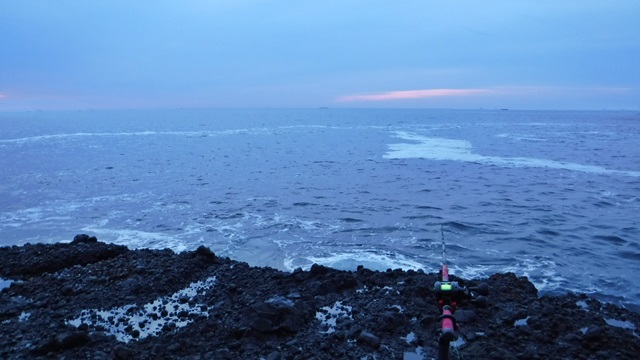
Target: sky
466,54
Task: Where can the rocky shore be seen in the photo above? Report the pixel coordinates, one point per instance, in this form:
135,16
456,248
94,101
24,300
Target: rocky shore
91,300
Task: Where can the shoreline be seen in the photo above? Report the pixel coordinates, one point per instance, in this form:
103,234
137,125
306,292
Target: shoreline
91,299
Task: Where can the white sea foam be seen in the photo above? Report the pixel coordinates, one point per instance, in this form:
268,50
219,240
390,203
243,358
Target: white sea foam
64,136
39,138
520,137
423,147
21,217
56,211
138,239
351,259
148,319
542,273
472,272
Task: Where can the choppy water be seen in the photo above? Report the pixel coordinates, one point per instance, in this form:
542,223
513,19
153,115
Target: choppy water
551,195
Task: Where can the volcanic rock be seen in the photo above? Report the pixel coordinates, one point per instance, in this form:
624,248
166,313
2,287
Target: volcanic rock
87,299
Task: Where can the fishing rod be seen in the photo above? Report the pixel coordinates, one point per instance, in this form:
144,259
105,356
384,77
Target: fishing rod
449,294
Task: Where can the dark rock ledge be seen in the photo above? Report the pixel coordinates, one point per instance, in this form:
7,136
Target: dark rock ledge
91,300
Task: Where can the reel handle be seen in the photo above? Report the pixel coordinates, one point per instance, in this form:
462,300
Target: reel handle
481,289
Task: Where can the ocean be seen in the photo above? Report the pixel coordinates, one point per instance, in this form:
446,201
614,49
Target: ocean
551,195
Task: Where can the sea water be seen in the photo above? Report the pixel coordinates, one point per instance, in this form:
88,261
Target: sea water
551,195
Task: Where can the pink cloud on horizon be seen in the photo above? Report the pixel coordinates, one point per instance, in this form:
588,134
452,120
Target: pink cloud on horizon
413,94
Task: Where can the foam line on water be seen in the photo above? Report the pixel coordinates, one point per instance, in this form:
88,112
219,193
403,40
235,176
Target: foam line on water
241,131
461,150
520,137
18,218
39,138
57,210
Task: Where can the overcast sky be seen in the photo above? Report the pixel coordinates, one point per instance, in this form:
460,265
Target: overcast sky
533,54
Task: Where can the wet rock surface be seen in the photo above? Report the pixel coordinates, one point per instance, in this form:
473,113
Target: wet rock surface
91,300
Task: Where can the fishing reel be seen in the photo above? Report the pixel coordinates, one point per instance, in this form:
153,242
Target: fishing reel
451,292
